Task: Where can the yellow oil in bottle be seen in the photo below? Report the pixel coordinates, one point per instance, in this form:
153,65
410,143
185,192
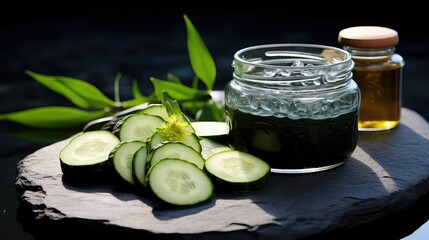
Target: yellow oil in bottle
380,96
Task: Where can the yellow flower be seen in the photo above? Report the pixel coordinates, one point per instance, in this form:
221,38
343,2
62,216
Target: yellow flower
174,129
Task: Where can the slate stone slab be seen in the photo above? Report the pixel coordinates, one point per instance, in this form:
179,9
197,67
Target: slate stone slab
387,173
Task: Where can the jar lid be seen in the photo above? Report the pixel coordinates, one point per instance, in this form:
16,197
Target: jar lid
368,37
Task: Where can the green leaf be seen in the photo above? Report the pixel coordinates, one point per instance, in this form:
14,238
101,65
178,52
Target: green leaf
178,91
192,107
136,91
81,93
201,60
173,78
170,104
210,112
195,82
138,97
43,135
132,103
52,117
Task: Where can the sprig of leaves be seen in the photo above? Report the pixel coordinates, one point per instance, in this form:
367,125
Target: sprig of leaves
91,103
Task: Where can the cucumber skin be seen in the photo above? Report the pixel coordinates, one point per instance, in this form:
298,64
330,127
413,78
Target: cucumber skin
117,126
162,145
148,108
145,166
226,186
88,174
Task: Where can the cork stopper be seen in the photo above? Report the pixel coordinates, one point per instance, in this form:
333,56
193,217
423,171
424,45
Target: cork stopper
368,37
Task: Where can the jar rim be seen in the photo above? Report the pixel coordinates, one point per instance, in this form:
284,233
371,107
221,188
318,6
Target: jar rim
331,52
285,63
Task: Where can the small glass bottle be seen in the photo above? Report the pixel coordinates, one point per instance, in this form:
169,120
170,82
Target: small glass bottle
378,72
294,106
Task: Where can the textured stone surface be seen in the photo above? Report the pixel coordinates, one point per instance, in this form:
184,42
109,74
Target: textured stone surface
387,173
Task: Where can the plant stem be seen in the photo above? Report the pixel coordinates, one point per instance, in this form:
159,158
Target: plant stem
116,86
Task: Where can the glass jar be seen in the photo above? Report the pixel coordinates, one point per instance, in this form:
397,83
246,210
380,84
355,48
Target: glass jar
294,106
378,72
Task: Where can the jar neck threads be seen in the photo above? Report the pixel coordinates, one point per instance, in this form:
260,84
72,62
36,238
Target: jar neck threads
294,66
370,53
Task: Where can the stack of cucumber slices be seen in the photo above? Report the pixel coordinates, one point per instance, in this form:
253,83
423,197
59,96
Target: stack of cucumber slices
159,149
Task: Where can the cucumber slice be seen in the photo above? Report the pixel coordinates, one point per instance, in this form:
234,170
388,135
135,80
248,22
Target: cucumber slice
236,170
155,110
139,165
210,147
87,153
110,125
210,129
191,140
176,150
122,158
137,127
179,182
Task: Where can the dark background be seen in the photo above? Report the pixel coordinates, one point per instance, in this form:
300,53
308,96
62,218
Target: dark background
95,42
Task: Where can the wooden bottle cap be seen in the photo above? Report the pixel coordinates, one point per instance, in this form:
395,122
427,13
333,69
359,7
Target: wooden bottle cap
368,37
